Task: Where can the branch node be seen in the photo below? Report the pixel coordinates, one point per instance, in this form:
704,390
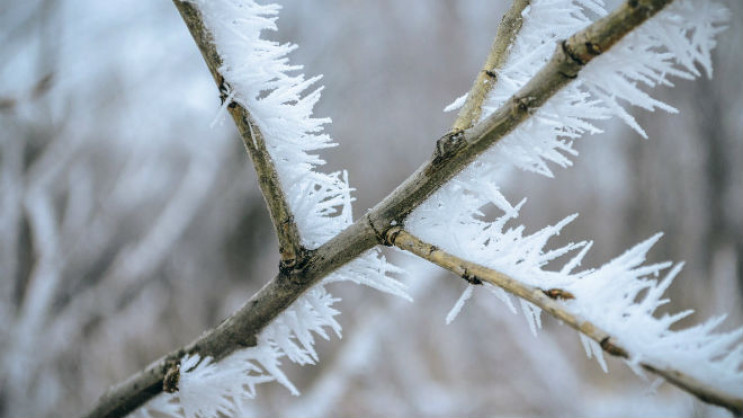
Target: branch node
171,379
293,266
490,74
286,265
448,145
558,294
391,235
573,55
224,89
610,347
471,278
593,48
521,104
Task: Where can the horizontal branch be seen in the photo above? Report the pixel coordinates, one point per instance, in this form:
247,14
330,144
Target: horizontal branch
545,299
453,153
290,248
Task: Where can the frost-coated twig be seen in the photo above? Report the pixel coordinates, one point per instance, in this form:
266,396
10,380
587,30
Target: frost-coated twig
546,300
290,247
457,150
488,76
452,155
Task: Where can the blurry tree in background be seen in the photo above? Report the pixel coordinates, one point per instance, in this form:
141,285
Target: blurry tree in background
128,224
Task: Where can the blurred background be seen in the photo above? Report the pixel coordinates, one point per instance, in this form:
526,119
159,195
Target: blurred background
128,225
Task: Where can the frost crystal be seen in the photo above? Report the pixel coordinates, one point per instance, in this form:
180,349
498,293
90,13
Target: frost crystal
622,296
261,79
466,295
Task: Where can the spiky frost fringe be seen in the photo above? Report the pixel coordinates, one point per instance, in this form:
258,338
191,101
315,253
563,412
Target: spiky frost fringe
622,295
262,80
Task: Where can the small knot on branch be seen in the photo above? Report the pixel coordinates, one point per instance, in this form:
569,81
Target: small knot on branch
226,94
471,278
293,265
448,145
522,104
573,54
593,48
490,74
287,263
558,294
567,47
224,90
391,235
171,379
610,347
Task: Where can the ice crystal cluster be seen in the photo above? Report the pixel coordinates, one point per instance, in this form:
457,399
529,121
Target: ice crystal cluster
259,77
621,296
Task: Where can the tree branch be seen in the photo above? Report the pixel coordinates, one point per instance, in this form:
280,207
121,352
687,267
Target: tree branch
547,301
290,245
455,153
488,76
456,150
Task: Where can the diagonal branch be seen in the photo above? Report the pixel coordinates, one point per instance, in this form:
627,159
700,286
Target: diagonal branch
453,153
457,150
546,300
290,246
488,76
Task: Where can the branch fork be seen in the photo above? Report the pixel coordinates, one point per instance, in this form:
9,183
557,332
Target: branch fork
300,269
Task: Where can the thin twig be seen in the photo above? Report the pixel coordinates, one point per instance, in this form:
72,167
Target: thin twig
290,245
488,76
241,329
461,149
475,273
